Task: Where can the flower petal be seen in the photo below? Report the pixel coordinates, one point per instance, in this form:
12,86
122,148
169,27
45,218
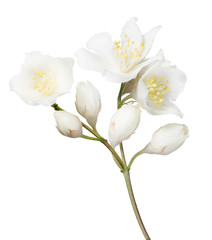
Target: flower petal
125,77
166,108
131,31
148,40
90,61
176,79
142,94
63,67
101,44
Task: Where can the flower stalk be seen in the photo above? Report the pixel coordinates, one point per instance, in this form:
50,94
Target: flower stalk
134,205
91,138
134,157
122,102
56,107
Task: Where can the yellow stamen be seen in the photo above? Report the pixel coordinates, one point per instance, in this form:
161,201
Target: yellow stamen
43,83
157,89
151,90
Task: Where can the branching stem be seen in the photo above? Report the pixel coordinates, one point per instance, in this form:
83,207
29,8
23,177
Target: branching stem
134,157
105,142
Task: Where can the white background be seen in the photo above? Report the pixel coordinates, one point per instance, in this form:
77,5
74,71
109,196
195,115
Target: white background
54,188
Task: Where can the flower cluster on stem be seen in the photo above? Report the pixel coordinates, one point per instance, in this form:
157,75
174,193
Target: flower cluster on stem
148,83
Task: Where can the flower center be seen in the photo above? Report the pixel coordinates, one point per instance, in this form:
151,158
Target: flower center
127,53
44,82
157,90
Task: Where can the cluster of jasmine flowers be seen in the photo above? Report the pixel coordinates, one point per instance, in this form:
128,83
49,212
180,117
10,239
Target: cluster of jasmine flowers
149,83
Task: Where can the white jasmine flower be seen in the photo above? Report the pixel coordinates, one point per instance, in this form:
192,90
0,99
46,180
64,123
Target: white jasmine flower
68,124
42,79
167,139
88,102
119,61
157,86
123,124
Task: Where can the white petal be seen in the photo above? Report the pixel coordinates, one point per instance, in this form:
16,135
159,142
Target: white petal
152,63
120,77
148,40
131,31
90,61
176,79
64,73
141,94
102,45
165,108
125,77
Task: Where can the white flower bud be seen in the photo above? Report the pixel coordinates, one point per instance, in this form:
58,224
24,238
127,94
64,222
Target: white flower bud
123,124
167,139
68,124
88,102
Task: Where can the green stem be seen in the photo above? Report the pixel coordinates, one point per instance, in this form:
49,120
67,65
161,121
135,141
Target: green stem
120,94
114,154
134,205
134,157
105,142
56,107
121,103
95,130
91,138
117,163
91,130
122,154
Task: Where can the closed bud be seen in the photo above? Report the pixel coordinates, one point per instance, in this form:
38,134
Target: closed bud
123,124
167,139
88,102
68,124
